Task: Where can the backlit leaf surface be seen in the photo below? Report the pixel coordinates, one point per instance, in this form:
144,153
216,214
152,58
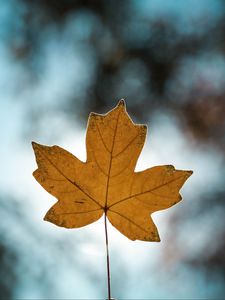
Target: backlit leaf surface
106,182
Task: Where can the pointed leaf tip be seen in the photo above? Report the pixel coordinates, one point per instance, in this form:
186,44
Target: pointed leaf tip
189,173
122,102
34,145
157,239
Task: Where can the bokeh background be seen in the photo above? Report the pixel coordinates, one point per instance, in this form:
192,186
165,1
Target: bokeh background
61,59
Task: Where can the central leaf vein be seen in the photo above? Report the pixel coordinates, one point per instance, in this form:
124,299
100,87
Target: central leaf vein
110,162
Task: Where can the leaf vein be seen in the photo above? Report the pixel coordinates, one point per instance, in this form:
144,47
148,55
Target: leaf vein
101,137
77,213
130,143
103,172
72,182
110,162
129,220
146,192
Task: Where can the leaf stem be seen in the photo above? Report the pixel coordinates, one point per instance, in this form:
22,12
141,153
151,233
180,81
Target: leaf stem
107,257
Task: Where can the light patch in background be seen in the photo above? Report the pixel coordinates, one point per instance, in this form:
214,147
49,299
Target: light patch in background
200,74
184,14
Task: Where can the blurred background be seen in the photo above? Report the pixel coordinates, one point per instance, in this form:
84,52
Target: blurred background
62,59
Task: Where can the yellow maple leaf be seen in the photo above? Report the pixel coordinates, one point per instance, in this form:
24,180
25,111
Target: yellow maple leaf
106,182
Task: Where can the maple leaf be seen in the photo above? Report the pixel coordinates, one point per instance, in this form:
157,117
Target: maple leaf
106,182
